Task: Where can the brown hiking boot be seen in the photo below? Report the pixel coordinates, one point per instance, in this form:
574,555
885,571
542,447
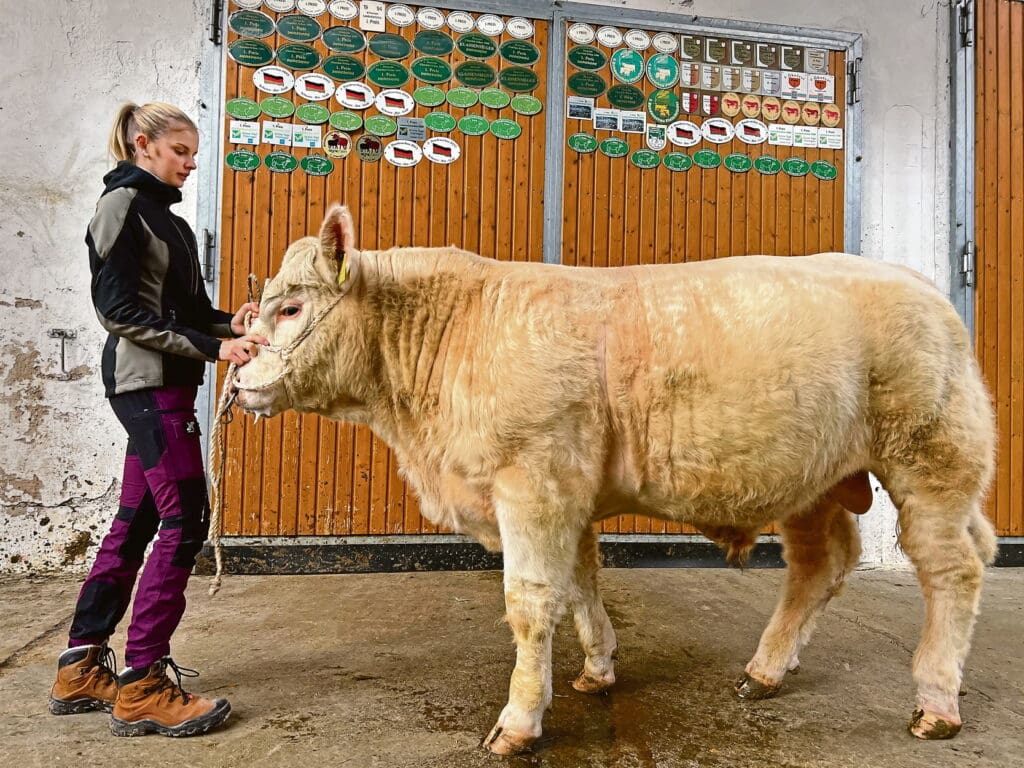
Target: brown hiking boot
148,701
86,681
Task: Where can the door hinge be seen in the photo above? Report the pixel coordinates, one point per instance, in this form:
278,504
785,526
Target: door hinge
208,249
965,18
967,263
853,81
216,17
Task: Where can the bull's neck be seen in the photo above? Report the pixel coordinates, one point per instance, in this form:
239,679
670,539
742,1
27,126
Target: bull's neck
420,303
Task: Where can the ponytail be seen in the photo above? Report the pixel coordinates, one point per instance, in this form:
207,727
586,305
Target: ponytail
150,119
121,146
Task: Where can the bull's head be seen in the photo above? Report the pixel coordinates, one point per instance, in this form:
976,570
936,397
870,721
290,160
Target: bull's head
311,317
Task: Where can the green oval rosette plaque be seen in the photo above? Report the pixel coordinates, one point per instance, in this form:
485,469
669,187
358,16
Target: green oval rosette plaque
504,128
343,67
527,105
494,98
316,165
251,53
767,165
614,147
474,125
584,143
737,162
824,170
242,108
389,46
346,121
440,122
313,113
281,162
707,158
429,69
428,96
677,161
243,160
796,166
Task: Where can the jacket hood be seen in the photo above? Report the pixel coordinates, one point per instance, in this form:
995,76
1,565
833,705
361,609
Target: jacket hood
127,174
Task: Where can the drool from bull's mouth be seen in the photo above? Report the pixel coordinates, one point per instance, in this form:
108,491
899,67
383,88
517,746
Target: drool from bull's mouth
527,401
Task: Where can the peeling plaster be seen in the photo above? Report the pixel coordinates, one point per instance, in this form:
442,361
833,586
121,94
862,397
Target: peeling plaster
62,449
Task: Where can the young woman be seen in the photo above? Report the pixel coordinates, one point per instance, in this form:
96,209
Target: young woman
148,293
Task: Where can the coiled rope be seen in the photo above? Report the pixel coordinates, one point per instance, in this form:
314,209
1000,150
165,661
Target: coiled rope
219,450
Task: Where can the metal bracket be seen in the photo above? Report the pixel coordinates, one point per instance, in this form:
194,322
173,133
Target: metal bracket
853,80
64,334
965,9
209,245
967,264
216,14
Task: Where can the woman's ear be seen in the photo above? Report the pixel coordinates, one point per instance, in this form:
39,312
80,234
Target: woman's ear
141,143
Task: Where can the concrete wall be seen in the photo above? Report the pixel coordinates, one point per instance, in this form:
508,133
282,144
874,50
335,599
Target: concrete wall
68,65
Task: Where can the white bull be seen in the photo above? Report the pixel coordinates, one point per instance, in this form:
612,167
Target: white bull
527,401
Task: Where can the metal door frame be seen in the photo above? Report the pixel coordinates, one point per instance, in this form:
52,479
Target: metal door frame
962,91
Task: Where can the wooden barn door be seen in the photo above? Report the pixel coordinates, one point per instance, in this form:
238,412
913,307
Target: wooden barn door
617,212
999,238
302,475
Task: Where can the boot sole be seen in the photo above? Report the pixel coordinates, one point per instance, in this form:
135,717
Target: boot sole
78,706
195,727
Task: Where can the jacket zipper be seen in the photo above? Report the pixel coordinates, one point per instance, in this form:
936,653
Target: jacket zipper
193,262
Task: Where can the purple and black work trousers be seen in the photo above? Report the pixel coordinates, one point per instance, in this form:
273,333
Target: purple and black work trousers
163,489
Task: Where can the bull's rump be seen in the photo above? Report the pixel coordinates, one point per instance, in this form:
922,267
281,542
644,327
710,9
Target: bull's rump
741,388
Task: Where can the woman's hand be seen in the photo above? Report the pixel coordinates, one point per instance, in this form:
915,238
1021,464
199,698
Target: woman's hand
241,350
238,321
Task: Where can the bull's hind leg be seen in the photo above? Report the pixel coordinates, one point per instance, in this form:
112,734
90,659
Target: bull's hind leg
539,534
592,624
941,538
820,547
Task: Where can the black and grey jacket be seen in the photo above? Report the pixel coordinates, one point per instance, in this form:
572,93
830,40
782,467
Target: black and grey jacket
147,287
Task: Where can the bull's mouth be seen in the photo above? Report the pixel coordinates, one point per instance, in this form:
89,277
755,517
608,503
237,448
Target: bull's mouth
260,398
255,403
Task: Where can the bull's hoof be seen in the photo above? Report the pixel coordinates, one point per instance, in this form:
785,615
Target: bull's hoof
929,725
751,689
503,742
587,683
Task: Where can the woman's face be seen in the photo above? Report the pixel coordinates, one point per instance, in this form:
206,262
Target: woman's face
170,156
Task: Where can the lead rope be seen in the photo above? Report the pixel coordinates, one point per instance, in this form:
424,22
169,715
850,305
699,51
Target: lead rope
219,451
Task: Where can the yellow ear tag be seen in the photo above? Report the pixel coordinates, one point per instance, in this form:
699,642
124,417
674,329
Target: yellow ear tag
343,272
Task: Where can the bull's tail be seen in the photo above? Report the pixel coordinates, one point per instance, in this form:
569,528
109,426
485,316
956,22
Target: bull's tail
984,536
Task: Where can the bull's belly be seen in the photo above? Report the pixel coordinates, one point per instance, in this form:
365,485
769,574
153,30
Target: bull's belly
703,509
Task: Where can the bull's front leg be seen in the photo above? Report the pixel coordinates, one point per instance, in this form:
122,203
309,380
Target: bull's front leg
539,534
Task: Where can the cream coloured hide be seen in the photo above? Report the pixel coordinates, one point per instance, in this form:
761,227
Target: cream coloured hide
527,401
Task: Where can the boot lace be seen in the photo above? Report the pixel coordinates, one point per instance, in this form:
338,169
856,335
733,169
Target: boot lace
174,687
107,663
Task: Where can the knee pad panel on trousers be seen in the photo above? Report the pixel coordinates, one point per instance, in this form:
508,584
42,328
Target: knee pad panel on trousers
142,524
194,521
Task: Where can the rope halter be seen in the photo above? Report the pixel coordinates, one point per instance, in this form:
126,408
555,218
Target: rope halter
285,352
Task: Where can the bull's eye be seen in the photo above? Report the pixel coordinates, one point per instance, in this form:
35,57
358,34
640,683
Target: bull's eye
290,311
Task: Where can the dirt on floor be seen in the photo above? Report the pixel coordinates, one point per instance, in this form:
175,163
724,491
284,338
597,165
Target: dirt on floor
411,669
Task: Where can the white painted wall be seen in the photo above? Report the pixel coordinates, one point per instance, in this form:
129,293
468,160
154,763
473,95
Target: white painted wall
66,66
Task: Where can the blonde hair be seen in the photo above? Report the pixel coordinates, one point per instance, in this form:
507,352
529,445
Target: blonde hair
151,119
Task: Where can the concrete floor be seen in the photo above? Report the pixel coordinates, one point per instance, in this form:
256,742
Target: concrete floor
411,670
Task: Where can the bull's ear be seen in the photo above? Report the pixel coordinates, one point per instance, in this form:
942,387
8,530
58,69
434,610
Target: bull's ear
338,242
